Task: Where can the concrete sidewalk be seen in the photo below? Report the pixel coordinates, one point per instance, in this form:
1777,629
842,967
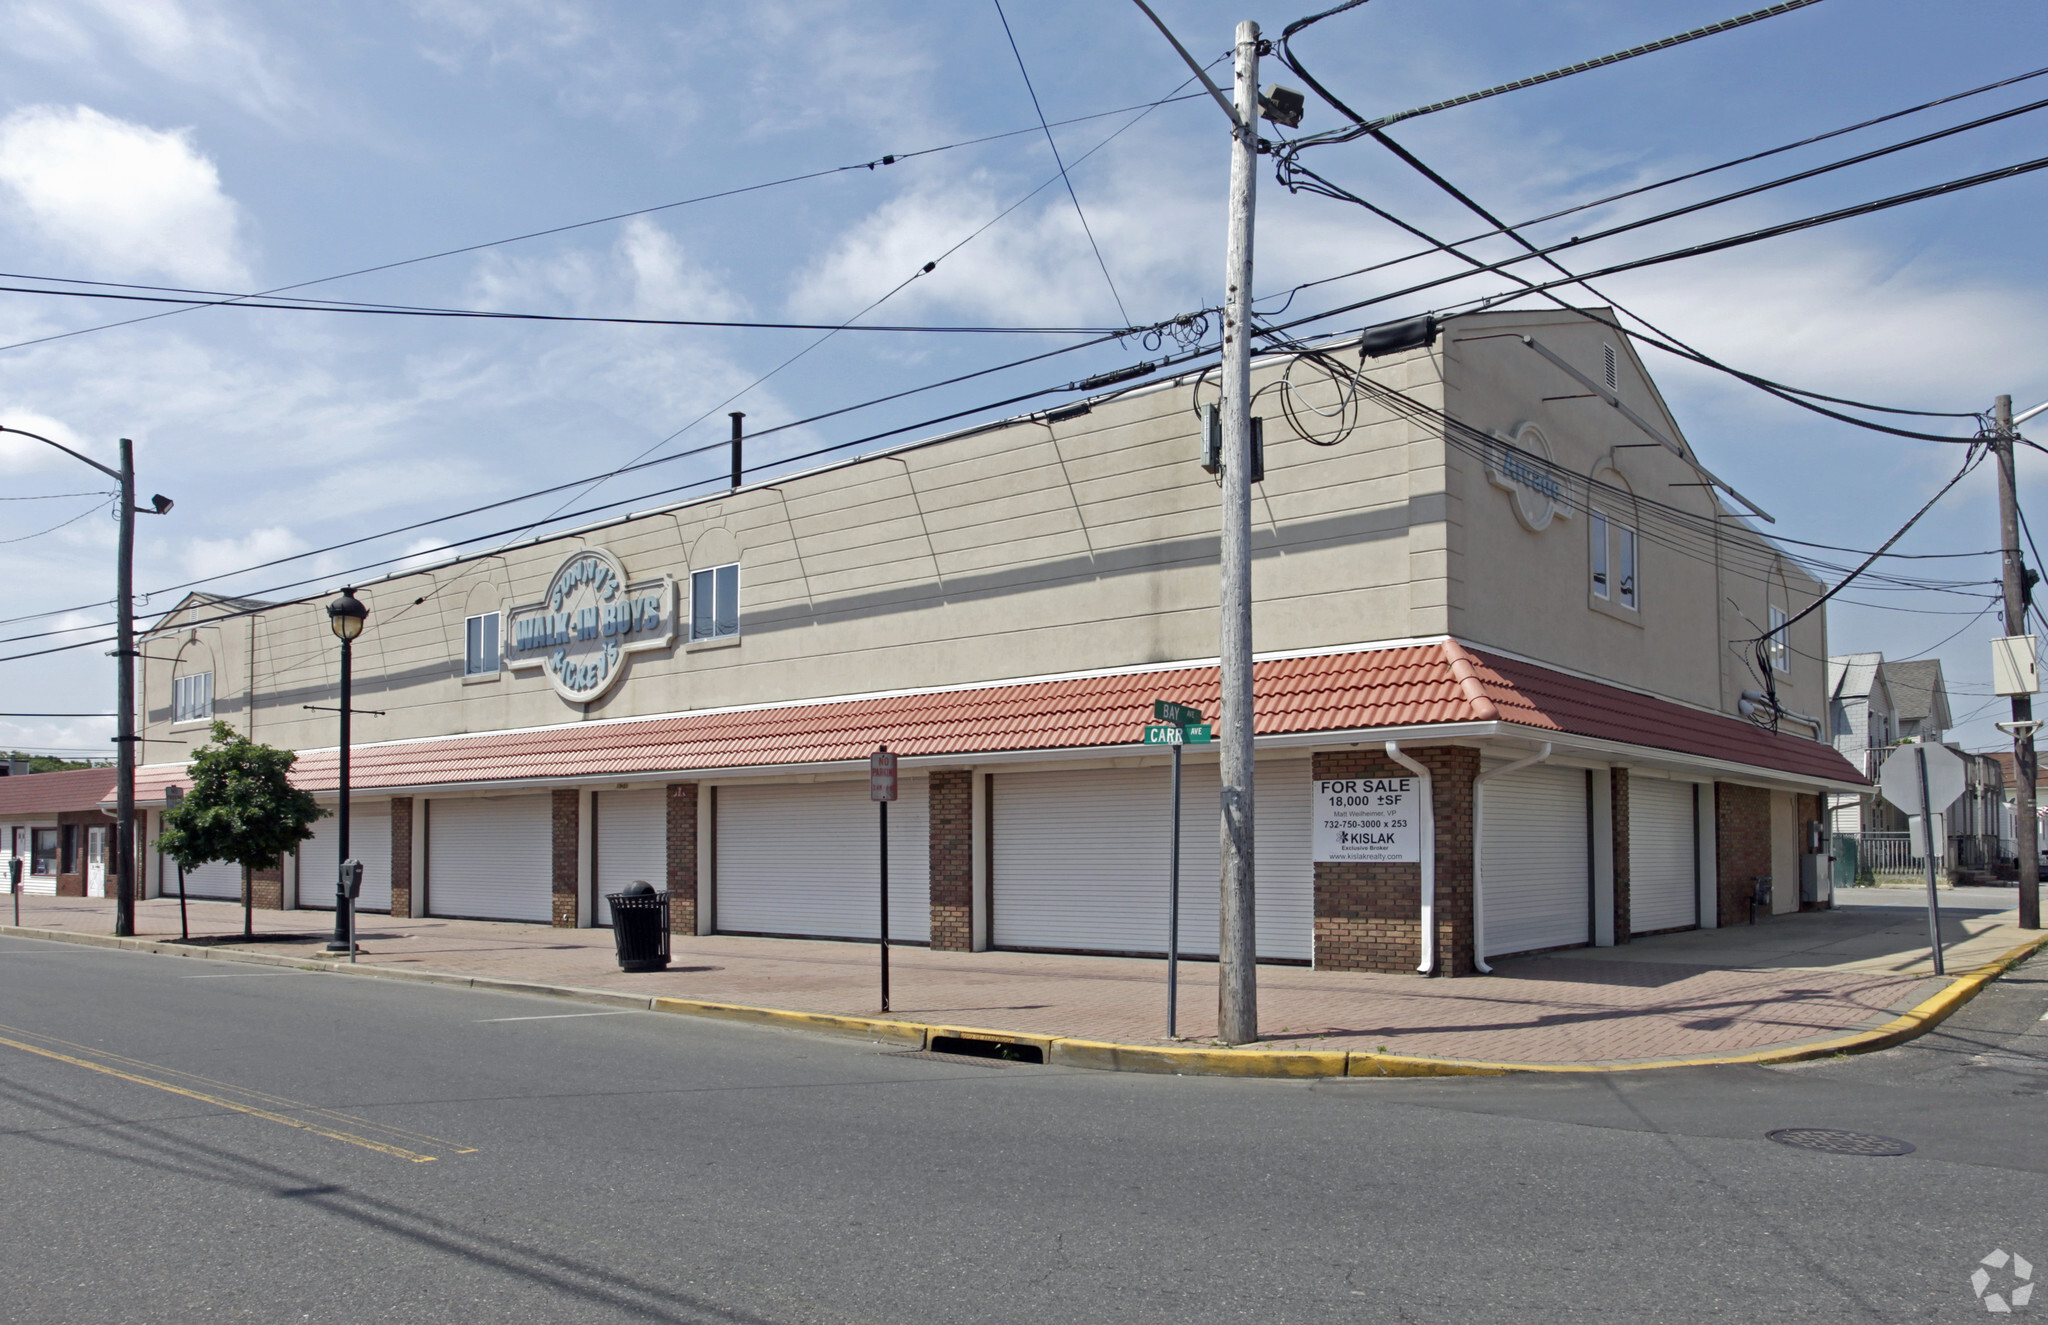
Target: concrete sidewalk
1789,981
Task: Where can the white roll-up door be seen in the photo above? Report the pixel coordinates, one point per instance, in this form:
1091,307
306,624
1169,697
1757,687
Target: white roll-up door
1661,893
1536,877
632,842
217,880
1080,860
802,859
491,858
369,840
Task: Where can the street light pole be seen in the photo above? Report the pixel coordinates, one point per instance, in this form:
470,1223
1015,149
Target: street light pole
125,739
345,616
2026,829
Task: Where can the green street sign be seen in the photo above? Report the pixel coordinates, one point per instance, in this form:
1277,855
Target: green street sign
1185,715
1171,734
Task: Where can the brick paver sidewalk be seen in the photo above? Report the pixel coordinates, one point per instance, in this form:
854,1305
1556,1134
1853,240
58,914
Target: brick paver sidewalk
1659,1000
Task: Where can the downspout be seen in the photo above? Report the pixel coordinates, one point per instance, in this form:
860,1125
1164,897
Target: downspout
1428,835
1479,854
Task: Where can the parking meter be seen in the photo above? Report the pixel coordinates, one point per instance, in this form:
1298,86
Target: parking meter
352,878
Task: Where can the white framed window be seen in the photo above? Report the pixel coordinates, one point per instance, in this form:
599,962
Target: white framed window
192,697
1602,589
1778,648
715,602
480,655
1626,588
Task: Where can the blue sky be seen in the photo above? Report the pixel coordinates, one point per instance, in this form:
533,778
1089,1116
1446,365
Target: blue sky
234,146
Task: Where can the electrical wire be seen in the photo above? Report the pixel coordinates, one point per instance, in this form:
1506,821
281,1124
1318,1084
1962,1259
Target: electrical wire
1051,142
887,160
23,538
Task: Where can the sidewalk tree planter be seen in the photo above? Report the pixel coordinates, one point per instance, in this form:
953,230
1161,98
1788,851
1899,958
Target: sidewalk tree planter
242,808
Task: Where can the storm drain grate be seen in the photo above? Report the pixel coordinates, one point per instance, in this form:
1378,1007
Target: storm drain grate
969,1060
1829,1141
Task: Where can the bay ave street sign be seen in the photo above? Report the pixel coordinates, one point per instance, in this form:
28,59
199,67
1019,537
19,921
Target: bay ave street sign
1368,821
1161,734
1185,715
1899,780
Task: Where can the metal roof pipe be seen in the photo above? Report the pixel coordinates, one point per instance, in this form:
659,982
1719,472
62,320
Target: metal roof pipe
1427,831
1479,853
1754,702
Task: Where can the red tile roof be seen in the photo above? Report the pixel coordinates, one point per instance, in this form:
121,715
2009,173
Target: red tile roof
47,793
1344,693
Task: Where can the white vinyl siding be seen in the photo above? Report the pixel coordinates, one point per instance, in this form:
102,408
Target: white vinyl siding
1080,860
217,880
1661,894
369,840
17,841
491,858
803,860
632,843
1535,870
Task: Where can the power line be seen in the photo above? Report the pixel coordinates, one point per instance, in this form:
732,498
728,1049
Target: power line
887,160
1054,145
23,538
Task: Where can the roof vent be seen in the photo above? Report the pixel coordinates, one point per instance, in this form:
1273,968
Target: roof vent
1610,367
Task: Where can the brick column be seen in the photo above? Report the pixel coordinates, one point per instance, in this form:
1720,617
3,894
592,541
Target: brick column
1618,781
566,823
266,888
682,858
401,857
952,860
1742,846
1369,917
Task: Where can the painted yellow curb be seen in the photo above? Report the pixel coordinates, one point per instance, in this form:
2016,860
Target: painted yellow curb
1099,1055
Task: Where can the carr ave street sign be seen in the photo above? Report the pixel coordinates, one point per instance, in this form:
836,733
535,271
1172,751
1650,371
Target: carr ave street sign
1199,734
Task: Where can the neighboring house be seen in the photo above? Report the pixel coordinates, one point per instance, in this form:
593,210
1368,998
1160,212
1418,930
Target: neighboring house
1919,699
52,823
1499,550
1863,723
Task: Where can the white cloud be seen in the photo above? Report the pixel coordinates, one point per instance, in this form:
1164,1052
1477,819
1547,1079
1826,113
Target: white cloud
126,198
217,556
645,273
195,43
21,455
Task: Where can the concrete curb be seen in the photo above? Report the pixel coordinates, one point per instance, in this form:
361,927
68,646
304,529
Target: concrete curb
1097,1055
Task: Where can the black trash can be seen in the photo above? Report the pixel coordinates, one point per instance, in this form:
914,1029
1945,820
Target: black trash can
640,927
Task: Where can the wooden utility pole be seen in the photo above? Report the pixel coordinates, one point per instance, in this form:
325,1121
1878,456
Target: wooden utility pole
1237,1010
2026,832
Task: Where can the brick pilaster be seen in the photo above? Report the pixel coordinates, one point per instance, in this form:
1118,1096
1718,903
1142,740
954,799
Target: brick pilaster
682,857
266,888
566,823
1742,846
401,857
1369,917
1618,781
952,860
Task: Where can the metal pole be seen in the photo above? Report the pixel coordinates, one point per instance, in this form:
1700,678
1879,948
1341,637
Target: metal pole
1173,909
1237,1006
1927,842
124,757
885,903
2026,828
738,470
344,914
184,926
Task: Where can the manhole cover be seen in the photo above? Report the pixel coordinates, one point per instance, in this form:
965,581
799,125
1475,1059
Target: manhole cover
1832,1142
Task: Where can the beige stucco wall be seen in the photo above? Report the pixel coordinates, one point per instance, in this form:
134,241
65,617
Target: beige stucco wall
1038,548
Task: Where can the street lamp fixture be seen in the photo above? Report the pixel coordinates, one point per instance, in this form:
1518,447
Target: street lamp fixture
346,615
125,739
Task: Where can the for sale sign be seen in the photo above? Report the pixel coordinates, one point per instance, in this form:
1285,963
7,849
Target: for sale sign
1368,821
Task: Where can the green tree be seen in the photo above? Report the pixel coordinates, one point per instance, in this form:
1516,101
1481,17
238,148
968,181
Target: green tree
242,808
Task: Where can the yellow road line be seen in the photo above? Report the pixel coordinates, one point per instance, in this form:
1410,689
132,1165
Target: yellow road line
278,1100
363,1141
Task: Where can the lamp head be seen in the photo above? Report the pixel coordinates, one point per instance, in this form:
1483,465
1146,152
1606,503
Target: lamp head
347,614
162,504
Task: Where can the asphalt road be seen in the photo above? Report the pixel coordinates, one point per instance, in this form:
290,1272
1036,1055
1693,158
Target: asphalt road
187,1140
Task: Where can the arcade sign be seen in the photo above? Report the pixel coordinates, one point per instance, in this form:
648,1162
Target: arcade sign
591,617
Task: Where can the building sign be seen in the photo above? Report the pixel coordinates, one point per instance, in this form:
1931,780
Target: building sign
1368,821
591,618
1523,467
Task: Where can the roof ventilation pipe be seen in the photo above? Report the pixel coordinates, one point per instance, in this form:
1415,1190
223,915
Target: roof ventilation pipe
1754,702
1428,836
1479,852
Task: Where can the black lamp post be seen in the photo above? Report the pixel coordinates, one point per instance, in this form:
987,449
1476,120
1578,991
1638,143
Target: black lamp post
346,616
125,739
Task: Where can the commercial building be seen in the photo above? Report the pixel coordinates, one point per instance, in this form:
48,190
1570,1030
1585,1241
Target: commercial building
1489,575
52,824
